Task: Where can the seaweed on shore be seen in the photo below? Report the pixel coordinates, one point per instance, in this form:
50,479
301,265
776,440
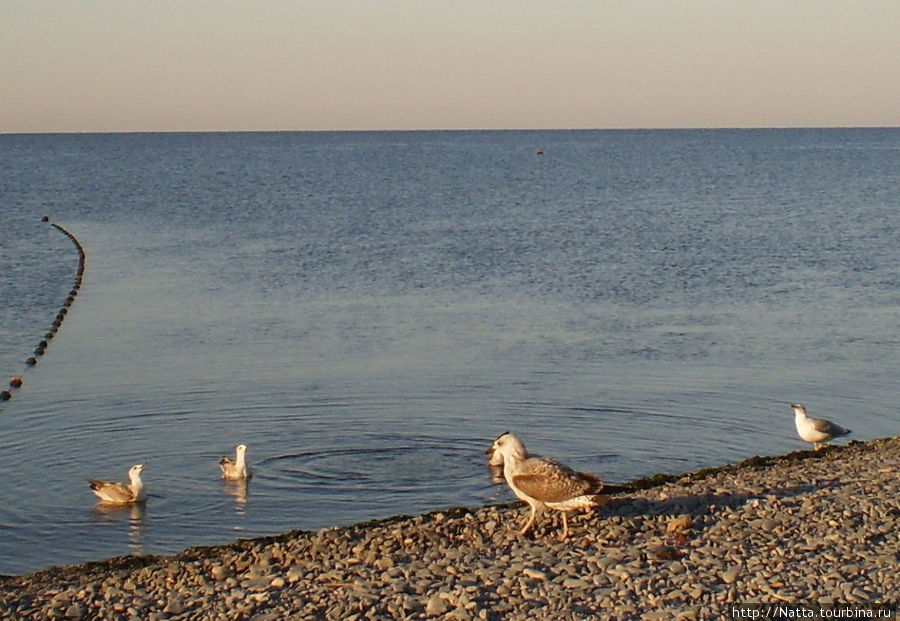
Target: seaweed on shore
78,572
757,462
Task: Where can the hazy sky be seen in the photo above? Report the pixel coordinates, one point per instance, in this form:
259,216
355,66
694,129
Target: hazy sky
123,65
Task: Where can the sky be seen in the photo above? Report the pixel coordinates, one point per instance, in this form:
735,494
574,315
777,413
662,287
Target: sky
231,65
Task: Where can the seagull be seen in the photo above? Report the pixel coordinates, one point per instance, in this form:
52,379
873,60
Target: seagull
543,482
121,493
236,469
816,430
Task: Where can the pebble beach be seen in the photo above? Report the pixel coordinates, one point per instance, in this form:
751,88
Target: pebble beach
808,527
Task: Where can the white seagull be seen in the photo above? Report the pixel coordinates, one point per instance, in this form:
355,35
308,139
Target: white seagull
816,430
544,482
121,493
236,469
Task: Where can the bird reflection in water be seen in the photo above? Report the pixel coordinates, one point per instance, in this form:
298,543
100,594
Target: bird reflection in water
240,490
495,471
133,513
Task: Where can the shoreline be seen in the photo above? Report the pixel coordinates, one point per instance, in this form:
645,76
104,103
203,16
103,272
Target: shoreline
801,527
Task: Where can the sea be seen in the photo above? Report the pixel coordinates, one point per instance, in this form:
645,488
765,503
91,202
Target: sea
368,311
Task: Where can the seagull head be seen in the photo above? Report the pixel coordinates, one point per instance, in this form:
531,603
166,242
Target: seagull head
135,471
241,448
507,446
799,409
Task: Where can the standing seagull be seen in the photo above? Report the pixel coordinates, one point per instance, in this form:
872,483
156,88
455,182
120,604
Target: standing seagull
816,430
544,482
236,469
121,493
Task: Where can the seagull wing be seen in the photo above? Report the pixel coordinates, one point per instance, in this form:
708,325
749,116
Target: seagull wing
827,427
119,493
230,469
550,481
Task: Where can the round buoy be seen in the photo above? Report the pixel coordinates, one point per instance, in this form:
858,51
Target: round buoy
15,381
5,395
61,315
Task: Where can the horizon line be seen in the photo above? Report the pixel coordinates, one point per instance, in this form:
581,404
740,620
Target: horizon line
447,130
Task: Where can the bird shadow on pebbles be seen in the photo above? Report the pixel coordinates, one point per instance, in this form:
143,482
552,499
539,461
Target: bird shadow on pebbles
697,504
690,512
698,500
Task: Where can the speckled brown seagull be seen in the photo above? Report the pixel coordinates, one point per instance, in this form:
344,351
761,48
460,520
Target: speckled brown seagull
816,430
544,482
236,469
121,493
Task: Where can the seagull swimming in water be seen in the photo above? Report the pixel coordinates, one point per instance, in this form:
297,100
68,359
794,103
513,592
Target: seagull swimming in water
816,430
236,469
544,482
121,493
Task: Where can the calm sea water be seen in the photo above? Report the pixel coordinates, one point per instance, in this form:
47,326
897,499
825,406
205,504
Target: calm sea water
368,311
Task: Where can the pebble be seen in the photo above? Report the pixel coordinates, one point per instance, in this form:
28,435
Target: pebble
534,573
681,522
823,527
174,607
437,605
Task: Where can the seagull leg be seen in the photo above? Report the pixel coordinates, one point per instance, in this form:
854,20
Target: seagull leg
530,521
565,532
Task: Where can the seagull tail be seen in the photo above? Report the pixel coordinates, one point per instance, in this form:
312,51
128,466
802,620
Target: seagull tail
595,482
616,489
598,500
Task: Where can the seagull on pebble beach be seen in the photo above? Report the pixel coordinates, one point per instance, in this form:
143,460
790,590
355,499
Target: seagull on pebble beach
543,482
816,430
236,469
121,493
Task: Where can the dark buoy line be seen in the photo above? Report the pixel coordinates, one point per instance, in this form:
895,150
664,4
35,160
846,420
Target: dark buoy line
40,350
